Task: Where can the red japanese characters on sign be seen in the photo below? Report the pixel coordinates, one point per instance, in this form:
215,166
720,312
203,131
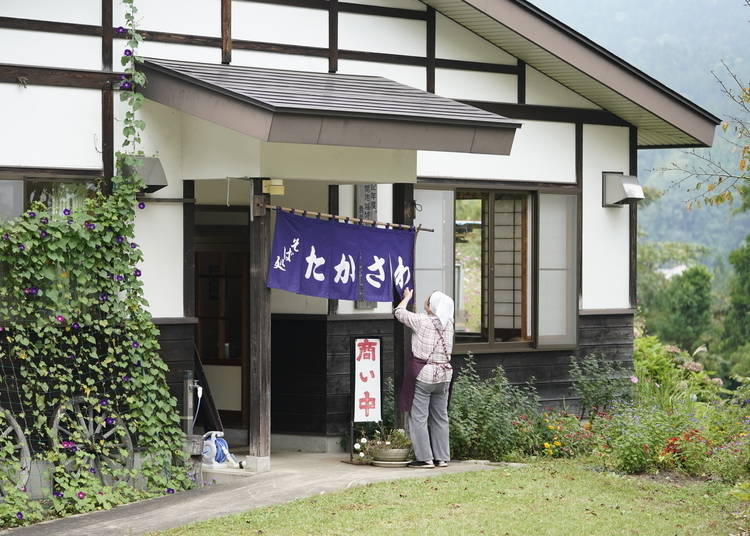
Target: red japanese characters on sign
367,375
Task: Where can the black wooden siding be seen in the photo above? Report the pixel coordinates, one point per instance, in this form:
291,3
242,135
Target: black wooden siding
298,374
176,338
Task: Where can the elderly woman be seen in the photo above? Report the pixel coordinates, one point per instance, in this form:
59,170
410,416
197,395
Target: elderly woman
424,392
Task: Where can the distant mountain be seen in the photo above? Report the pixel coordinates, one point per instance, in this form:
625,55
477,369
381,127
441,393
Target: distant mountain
679,43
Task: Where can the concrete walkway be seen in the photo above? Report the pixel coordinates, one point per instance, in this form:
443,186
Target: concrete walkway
292,476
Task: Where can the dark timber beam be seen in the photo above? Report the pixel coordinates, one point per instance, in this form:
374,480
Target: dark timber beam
226,31
259,371
51,76
107,35
633,170
403,212
430,49
333,36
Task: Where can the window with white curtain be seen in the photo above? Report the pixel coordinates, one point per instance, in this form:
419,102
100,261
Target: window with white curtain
17,195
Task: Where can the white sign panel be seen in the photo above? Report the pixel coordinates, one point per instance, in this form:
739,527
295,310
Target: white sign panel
367,373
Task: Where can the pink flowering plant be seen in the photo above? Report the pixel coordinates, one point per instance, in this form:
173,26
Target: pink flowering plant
78,350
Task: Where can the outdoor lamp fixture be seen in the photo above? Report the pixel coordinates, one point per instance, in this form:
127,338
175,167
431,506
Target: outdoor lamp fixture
151,171
619,190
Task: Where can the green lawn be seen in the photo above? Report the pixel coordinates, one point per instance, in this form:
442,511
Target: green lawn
544,498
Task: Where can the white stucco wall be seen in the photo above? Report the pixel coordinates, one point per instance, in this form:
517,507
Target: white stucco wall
389,35
261,22
405,4
460,84
541,152
271,60
76,11
405,74
46,49
199,17
606,254
158,227
50,127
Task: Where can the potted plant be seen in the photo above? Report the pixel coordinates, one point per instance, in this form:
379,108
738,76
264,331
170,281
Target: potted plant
393,447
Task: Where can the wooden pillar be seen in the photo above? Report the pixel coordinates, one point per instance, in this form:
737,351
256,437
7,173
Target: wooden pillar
226,31
333,36
259,370
403,212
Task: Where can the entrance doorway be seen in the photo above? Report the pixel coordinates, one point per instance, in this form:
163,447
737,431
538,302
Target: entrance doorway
222,268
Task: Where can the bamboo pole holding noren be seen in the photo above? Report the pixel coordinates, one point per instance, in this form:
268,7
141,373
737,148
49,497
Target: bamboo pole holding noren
348,219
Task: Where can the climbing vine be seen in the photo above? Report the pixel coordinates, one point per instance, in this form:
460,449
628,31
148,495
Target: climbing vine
81,374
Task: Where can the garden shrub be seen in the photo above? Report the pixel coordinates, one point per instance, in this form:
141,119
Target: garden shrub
598,382
482,413
565,435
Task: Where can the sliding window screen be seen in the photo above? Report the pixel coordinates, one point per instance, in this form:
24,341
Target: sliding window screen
558,296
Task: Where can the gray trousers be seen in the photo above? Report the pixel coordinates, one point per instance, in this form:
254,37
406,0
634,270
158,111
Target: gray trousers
430,409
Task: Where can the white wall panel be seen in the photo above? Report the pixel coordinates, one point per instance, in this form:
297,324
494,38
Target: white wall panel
541,152
252,58
174,51
404,4
405,74
434,251
50,49
77,11
453,41
50,126
337,164
606,253
390,35
158,231
460,84
225,382
280,24
541,89
161,138
197,17
211,151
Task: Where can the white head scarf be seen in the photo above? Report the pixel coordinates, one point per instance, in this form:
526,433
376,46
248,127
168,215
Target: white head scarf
441,306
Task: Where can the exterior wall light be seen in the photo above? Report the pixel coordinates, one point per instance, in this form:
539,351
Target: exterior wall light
619,190
152,172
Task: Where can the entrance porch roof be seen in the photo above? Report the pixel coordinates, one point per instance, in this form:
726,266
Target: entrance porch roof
325,109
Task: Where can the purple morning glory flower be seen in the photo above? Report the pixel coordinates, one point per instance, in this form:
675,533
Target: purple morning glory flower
43,234
109,421
66,212
103,402
119,30
90,226
119,277
133,245
141,205
6,236
60,318
31,214
21,247
72,356
128,52
120,239
126,378
137,272
19,515
57,494
170,490
92,470
45,221
126,85
81,494
104,296
136,344
70,222
75,325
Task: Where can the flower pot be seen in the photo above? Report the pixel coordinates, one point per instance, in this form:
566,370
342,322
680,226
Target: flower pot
391,455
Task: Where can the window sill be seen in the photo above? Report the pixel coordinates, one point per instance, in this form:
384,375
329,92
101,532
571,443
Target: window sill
492,348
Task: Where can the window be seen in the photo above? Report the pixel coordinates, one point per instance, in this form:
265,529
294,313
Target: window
16,195
492,285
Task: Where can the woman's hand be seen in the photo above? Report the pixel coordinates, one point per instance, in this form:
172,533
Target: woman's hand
408,293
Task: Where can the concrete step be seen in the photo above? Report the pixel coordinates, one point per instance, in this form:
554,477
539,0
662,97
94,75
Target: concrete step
225,475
